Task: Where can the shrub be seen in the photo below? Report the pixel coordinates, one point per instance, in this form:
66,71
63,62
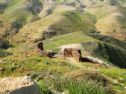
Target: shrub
72,86
19,23
35,6
4,44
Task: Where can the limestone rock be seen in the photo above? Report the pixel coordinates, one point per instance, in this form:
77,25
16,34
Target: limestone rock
18,85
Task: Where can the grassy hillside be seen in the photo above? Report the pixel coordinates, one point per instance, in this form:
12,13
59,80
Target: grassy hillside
71,38
97,29
110,40
107,50
17,14
113,54
73,21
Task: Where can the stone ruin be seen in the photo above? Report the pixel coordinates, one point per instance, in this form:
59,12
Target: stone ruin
40,46
76,54
72,52
68,51
42,52
40,49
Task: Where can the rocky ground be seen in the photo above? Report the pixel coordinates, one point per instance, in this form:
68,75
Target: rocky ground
18,85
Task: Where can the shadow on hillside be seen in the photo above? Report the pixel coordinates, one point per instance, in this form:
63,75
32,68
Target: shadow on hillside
73,21
115,55
107,51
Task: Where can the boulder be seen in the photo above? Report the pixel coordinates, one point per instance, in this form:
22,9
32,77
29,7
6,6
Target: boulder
18,85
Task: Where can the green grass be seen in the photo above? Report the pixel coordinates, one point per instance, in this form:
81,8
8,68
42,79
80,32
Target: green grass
4,53
71,29
15,9
15,2
34,64
74,85
72,22
99,12
118,75
85,87
110,53
82,21
115,73
110,40
16,13
76,37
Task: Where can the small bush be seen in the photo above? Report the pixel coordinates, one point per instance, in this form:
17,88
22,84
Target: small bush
50,11
35,6
4,44
19,22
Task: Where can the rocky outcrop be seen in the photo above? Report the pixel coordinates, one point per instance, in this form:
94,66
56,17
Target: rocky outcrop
18,85
94,60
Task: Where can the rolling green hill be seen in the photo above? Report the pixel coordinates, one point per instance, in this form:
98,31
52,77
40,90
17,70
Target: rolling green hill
97,25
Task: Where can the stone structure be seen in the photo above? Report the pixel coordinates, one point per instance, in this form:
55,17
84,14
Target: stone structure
40,46
71,52
40,49
42,52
